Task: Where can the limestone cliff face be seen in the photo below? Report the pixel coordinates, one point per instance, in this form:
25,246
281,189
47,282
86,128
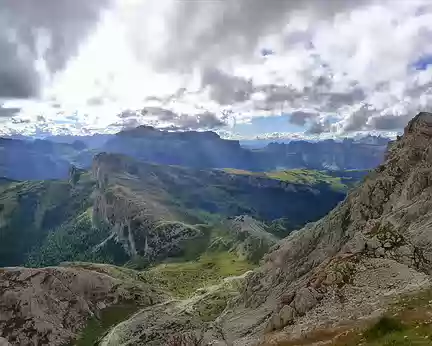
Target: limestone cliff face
50,306
130,208
376,243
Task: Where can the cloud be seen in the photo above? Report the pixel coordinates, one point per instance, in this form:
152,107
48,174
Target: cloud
224,88
161,113
211,31
335,66
37,38
300,117
357,119
318,127
389,122
167,118
205,120
9,112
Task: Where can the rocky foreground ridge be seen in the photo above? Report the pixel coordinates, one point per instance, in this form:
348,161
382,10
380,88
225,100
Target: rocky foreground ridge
50,306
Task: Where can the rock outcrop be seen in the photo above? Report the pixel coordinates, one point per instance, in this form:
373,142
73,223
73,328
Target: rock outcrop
253,238
50,306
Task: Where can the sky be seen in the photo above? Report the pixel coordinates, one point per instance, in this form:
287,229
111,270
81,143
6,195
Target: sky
243,68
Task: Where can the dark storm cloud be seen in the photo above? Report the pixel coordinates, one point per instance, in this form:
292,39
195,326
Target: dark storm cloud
206,31
224,88
40,29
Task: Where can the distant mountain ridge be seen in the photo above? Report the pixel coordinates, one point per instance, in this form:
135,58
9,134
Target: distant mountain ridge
327,154
52,158
40,159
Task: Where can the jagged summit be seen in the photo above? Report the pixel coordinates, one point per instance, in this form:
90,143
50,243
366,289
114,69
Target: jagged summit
421,122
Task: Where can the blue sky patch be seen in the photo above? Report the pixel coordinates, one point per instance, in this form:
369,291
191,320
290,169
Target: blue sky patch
423,62
267,51
269,124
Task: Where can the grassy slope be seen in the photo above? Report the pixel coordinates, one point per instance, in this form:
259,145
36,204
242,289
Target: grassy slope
109,317
207,195
29,210
338,180
180,279
97,326
46,222
184,278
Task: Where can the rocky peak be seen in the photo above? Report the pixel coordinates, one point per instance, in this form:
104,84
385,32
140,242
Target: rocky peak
420,124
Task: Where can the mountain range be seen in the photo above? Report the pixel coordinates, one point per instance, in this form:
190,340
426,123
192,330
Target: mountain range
51,158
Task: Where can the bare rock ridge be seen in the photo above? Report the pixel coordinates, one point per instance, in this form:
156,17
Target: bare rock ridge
376,243
50,306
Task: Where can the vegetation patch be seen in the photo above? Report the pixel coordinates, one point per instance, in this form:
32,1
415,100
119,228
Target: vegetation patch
31,210
74,241
337,180
184,278
385,326
214,304
97,327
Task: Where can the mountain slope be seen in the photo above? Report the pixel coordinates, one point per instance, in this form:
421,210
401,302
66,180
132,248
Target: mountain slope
29,210
124,209
341,268
157,210
51,158
190,148
323,155
40,159
208,150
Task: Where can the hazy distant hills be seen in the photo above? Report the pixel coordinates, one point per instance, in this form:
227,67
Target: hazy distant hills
51,158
